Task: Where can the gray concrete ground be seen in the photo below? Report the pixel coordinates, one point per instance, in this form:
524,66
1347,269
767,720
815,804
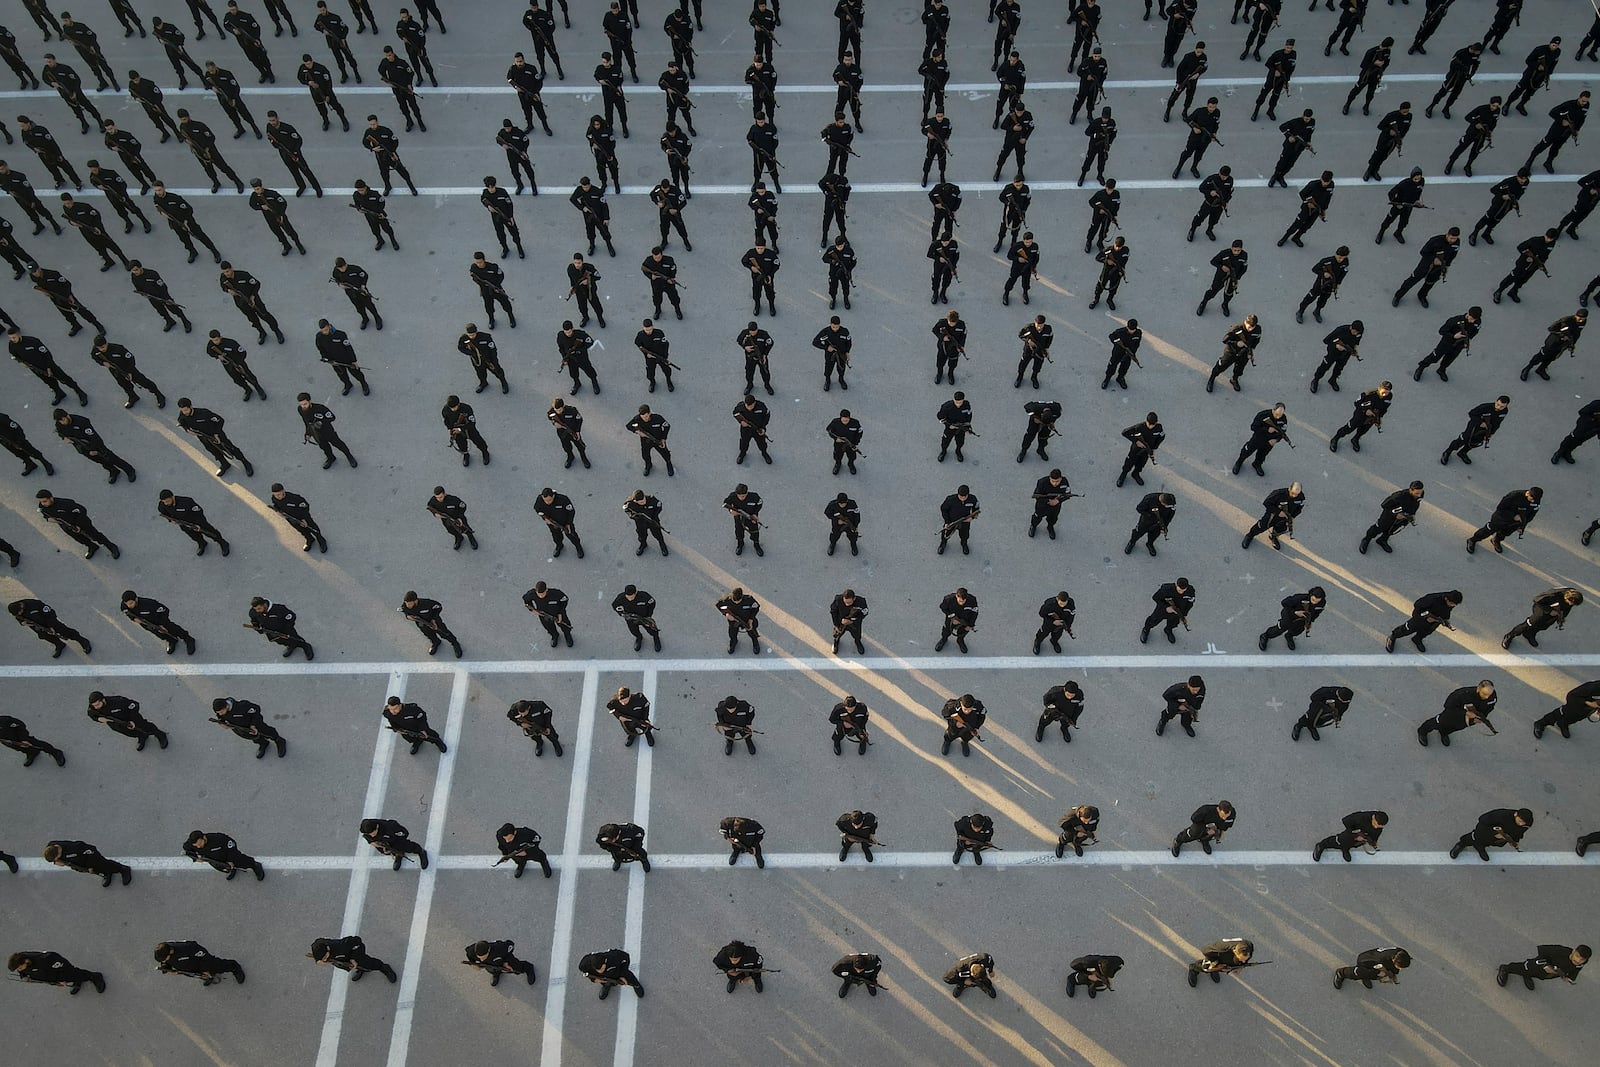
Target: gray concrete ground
805,910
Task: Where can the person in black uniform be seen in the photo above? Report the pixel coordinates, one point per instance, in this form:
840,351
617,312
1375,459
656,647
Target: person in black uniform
844,520
1340,346
124,371
1297,612
16,183
1374,965
53,284
480,348
1550,608
1113,259
610,969
41,618
87,221
1207,824
243,717
190,958
535,719
85,858
846,432
833,340
976,969
1155,516
501,214
1093,973
1512,515
349,954
1056,616
574,345
287,140
559,514
1405,196
1561,336
735,722
1362,829
229,98
295,511
849,718
936,132
1532,257
411,723
637,609
1428,613
1584,205
1036,338
16,442
1464,707
1015,199
462,427
222,852
975,834
568,420
739,961
1552,961
391,839
1537,69
958,512
1328,274
1327,708
946,200
497,958
583,277
541,26
951,334
630,709
1582,702
1463,66
44,145
1173,602
245,290
762,263
1062,703
80,433
181,218
1505,196
1049,492
203,143
743,835
1203,125
333,345
955,415
1315,196
1018,125
1586,428
1399,510
1101,132
835,196
207,427
625,842
520,845
87,42
960,611
550,605
276,622
1479,134
1143,438
848,611
662,270
653,344
1183,702
1297,135
1374,64
190,517
740,610
385,149
15,736
1269,426
337,34
1042,418
841,261
856,828
1367,413
963,718
397,74
652,429
149,284
451,512
52,968
1496,828
1231,264
1278,511
858,968
122,715
1455,340
373,209
1392,130
74,521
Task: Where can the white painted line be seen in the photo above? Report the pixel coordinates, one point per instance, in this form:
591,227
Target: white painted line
781,664
642,93
633,930
355,897
1046,186
580,747
817,861
405,1010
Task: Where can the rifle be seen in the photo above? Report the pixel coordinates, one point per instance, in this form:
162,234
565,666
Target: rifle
657,442
654,523
853,449
656,276
949,527
750,518
332,280
724,727
770,158
640,620
978,846
228,725
687,105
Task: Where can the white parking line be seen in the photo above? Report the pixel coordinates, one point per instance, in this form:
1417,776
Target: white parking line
781,663
633,929
355,897
405,1010
581,747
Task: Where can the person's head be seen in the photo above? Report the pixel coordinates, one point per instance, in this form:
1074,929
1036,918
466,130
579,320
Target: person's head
1237,246
410,598
1317,594
1524,817
1415,489
1485,689
1196,683
1225,807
